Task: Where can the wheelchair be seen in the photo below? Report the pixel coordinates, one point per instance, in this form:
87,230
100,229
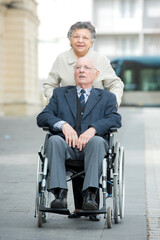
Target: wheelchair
112,183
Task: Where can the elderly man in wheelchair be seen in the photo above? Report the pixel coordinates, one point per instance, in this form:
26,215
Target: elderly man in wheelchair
79,119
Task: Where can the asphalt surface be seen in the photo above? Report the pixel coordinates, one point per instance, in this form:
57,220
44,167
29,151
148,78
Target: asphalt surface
20,140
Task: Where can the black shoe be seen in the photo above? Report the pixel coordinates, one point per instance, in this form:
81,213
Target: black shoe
74,215
94,218
60,200
89,202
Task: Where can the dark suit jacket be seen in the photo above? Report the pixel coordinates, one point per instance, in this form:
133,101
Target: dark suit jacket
100,111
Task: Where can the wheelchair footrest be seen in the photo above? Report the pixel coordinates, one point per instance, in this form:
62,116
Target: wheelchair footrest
91,212
54,210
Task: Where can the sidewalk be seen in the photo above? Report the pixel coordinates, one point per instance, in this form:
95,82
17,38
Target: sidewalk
152,164
20,140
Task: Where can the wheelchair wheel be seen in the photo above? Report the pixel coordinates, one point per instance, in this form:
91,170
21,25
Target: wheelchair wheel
42,216
121,183
109,217
42,198
116,183
38,186
39,219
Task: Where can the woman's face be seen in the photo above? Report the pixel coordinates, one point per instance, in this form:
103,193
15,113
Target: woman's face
81,42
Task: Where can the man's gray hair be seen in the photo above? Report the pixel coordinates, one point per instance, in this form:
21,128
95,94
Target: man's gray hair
82,25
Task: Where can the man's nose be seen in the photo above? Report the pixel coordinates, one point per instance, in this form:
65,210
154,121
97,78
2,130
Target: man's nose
81,69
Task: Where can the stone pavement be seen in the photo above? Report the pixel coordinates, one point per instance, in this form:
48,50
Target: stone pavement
152,166
19,141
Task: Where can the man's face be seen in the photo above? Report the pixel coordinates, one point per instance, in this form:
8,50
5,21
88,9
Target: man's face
85,73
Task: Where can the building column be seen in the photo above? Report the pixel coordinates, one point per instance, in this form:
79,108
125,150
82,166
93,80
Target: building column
19,77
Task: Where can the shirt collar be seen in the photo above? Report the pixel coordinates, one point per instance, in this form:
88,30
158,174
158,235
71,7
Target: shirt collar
87,90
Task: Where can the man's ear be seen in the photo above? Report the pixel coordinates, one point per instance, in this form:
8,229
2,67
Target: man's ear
97,74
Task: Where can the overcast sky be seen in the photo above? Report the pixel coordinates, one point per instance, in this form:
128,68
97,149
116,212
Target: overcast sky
56,16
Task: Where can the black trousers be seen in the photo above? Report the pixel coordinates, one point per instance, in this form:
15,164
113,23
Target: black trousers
77,184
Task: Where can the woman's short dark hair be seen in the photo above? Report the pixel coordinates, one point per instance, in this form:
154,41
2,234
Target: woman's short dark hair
82,25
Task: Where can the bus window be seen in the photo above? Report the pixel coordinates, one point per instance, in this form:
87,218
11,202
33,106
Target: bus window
149,79
129,80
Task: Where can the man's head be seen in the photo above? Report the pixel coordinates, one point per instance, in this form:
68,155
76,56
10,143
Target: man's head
85,72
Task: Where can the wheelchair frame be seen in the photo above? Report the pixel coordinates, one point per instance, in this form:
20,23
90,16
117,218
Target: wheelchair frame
113,185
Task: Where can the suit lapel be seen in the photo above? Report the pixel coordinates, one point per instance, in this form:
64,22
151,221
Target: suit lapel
71,97
92,100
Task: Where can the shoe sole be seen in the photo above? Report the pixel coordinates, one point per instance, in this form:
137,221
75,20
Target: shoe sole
94,219
73,216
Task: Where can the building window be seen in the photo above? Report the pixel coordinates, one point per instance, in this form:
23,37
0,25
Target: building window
128,45
128,8
152,44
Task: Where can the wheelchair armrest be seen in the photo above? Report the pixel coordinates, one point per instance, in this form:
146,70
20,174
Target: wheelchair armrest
111,130
46,129
110,136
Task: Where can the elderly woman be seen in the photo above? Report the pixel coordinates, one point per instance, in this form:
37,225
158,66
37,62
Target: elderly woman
82,36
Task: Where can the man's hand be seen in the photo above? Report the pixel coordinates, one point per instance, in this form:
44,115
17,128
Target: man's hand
85,137
70,135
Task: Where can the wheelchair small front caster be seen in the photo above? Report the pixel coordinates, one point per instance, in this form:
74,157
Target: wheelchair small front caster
109,217
39,219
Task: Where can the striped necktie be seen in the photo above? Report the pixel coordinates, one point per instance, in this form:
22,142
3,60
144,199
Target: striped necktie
82,98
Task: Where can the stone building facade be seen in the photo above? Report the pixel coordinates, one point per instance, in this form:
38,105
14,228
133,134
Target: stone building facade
19,85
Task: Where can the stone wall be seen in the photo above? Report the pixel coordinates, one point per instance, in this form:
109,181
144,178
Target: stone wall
19,85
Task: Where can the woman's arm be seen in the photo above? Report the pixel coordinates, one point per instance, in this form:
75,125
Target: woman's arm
53,80
108,77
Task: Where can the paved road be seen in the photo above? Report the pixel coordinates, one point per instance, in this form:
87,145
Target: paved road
19,141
